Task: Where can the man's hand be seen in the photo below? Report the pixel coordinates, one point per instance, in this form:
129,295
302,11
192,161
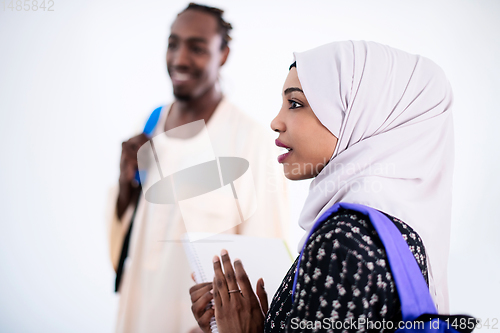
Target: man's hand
129,189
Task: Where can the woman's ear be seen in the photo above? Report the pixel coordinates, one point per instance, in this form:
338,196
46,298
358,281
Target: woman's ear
225,54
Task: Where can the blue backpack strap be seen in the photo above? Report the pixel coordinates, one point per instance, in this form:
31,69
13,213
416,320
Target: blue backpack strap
152,121
149,129
416,301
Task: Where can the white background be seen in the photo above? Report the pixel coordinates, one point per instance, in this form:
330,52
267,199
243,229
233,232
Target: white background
77,81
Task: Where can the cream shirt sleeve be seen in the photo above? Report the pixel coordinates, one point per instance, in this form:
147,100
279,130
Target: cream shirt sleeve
117,228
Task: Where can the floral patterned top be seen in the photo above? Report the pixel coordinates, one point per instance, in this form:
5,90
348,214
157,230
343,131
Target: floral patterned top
343,277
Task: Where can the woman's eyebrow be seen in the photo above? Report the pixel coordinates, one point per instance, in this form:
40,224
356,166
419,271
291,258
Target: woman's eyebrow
291,89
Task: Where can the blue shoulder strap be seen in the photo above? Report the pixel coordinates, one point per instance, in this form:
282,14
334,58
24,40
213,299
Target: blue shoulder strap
149,129
152,121
411,286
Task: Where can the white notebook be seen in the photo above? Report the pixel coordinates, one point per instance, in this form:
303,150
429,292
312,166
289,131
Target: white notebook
267,258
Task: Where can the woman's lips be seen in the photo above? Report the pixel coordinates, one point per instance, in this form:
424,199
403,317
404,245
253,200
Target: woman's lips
280,144
282,157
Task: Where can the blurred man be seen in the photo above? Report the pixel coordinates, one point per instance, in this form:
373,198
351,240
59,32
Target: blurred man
153,274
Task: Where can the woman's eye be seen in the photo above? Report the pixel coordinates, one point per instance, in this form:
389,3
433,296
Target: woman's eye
294,104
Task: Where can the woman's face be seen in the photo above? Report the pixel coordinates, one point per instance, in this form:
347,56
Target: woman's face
310,144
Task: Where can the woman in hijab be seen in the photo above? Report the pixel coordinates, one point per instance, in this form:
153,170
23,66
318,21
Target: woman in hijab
371,125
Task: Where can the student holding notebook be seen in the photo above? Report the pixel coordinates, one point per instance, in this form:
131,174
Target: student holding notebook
371,125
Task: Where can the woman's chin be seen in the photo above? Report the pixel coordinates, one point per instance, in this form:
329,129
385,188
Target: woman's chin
301,171
295,176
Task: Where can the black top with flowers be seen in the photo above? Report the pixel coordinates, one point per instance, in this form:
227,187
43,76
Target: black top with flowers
343,276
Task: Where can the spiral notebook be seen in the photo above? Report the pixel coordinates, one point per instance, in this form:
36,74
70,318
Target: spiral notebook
267,258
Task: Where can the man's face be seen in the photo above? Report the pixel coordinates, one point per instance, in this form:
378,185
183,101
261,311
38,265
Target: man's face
194,54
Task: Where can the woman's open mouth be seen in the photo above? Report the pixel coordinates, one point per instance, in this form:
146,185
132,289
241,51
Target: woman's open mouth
288,150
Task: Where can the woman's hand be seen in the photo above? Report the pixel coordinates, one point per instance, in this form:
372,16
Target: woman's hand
237,311
201,295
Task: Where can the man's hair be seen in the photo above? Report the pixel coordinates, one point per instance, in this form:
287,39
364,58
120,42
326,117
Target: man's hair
223,27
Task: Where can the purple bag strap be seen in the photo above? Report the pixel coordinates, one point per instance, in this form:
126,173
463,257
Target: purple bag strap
412,289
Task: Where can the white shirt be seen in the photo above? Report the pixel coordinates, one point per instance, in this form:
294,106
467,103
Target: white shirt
154,291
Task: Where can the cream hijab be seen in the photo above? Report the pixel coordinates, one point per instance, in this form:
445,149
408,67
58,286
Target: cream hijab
391,113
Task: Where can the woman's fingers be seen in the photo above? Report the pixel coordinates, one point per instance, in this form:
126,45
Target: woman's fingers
204,321
217,298
220,282
262,294
242,278
199,286
200,306
199,290
229,272
201,295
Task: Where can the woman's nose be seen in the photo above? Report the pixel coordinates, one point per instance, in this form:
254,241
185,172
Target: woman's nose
277,124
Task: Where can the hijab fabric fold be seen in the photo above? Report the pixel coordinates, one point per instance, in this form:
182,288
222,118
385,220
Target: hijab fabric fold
391,113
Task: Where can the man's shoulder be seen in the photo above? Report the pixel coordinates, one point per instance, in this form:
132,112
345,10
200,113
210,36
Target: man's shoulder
239,116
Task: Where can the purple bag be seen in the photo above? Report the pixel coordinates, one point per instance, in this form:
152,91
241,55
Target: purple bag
417,308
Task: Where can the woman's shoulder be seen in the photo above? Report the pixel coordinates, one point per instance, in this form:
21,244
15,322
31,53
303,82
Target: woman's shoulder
353,224
346,232
342,225
350,232
344,272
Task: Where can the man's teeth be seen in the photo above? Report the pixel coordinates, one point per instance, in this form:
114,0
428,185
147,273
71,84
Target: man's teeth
181,76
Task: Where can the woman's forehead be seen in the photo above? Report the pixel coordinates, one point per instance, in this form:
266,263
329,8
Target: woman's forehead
292,79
